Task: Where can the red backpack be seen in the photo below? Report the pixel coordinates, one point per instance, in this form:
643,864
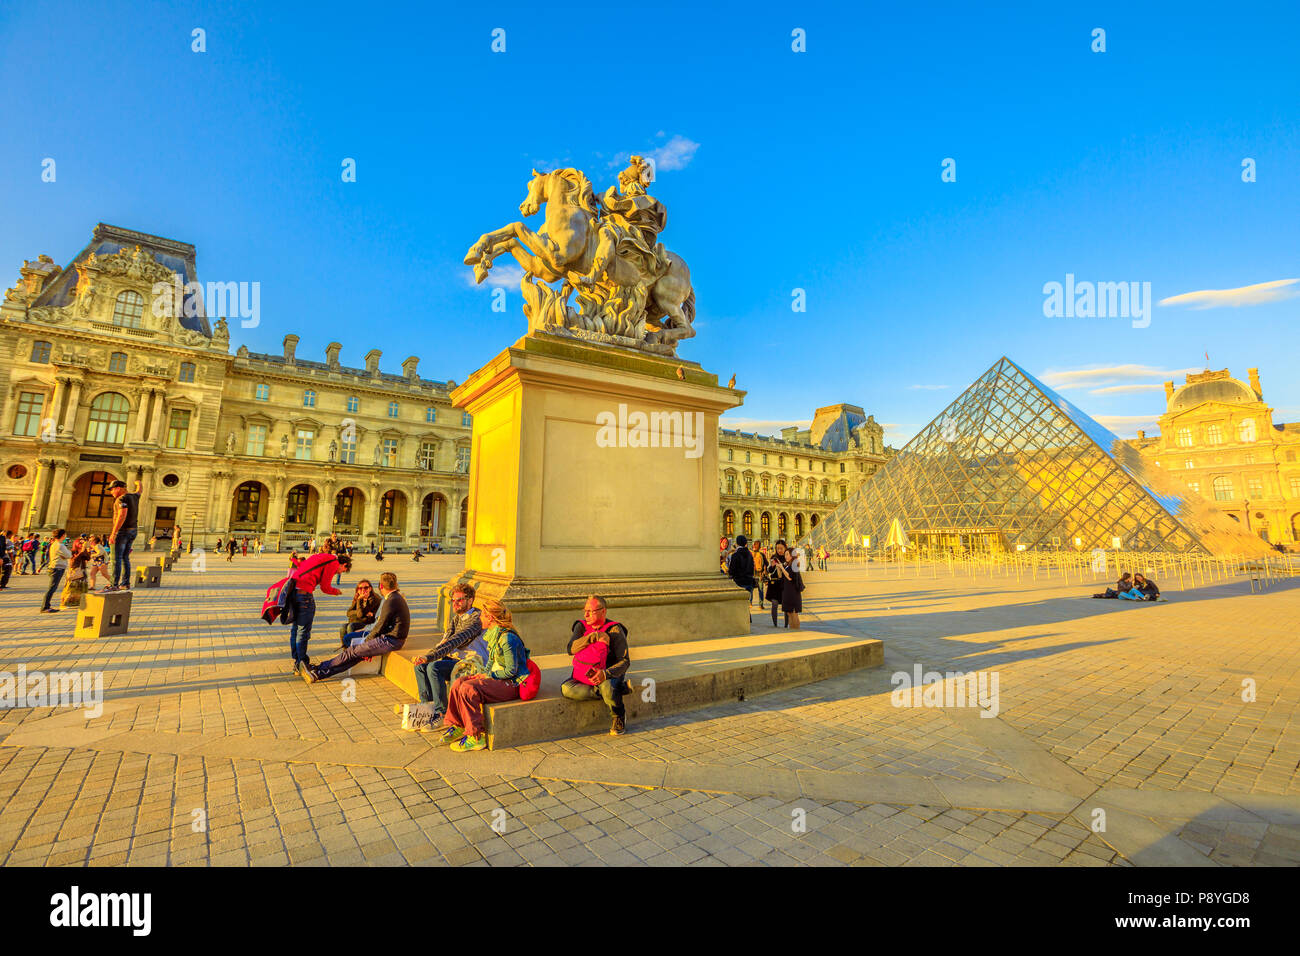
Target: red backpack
592,658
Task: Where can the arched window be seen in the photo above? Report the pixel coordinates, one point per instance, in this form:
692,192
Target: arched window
248,502
1223,489
782,524
464,514
747,523
387,509
41,352
1246,429
295,509
815,520
728,523
308,399
765,524
128,310
353,403
344,506
186,373
108,415
117,362
431,414
798,526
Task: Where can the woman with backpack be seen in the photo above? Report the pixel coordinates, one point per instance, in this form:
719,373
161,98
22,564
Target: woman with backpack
507,668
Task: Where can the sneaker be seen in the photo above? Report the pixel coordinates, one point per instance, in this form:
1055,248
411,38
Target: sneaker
451,735
309,673
470,743
297,669
433,725
49,610
617,728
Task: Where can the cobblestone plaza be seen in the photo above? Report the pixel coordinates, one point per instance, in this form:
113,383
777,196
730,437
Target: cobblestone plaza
1121,737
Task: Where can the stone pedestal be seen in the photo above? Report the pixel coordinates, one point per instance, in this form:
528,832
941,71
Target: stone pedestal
103,615
595,470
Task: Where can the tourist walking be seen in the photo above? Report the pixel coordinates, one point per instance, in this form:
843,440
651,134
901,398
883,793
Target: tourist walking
6,560
61,556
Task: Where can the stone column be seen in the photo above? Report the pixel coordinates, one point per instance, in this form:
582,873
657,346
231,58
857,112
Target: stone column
414,508
155,425
325,511
144,520
55,514
371,527
275,510
53,412
142,414
69,421
218,517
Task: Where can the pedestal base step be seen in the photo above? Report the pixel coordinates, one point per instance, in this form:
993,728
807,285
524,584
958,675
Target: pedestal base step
665,678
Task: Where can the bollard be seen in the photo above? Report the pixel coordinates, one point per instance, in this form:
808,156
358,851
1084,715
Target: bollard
104,614
148,576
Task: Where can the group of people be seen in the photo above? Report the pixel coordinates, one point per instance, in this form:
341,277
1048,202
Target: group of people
776,576
480,660
242,545
77,564
1132,587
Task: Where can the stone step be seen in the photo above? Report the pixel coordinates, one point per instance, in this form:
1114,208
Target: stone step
666,679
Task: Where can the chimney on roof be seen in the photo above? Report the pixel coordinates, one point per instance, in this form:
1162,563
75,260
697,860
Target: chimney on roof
290,344
1254,382
1141,433
372,361
409,366
332,354
1169,391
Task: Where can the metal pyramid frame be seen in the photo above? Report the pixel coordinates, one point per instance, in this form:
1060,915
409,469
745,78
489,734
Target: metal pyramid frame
1010,465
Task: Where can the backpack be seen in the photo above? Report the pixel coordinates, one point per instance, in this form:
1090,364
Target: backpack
590,659
521,656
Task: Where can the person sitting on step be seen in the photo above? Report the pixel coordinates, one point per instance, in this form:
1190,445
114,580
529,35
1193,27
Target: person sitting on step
507,668
388,633
463,636
600,662
365,604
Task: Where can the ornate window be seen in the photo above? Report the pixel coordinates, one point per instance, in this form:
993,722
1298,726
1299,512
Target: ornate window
431,414
178,428
747,523
128,310
731,454
1185,437
186,373
428,452
389,456
1223,489
392,409
117,362
749,485
731,484
1214,435
108,415
262,393
248,502
255,441
348,450
462,460
1295,487
309,399
302,450
27,421
387,509
41,352
1255,487
765,484
1195,486
765,524
99,501
295,509
728,523
354,403
1246,429
746,457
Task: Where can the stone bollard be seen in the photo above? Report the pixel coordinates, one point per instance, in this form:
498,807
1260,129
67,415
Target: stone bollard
148,576
165,561
104,614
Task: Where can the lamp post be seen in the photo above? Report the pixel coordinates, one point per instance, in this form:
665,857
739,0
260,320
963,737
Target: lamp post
194,524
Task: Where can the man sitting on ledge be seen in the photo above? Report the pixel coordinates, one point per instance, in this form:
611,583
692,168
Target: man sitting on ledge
388,633
600,661
464,634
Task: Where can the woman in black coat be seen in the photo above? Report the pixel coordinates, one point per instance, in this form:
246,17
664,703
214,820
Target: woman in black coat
775,581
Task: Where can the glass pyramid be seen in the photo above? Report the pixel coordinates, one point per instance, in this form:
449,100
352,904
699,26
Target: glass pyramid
1010,466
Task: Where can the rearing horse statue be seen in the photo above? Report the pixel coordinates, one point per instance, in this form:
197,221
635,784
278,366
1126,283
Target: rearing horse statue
617,295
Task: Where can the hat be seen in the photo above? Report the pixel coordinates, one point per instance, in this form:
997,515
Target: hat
117,484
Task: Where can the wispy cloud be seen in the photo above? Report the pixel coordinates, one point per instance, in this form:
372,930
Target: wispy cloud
501,277
1127,389
675,154
1109,375
1125,423
1258,294
929,388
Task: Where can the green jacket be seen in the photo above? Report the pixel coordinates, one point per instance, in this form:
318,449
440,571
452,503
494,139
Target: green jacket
507,659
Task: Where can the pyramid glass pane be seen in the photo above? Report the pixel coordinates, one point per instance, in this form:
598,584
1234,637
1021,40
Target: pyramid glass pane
1011,465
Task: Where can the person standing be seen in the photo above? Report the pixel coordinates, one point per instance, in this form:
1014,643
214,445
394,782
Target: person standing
45,555
760,572
230,549
125,528
60,557
312,572
776,579
6,560
27,553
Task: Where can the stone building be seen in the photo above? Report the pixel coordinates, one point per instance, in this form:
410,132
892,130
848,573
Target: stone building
112,368
100,383
783,487
1217,435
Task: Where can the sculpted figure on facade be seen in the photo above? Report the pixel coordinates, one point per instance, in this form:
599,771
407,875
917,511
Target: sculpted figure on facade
334,450
604,252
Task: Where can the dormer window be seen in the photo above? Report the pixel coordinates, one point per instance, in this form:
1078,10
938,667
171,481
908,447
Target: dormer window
128,310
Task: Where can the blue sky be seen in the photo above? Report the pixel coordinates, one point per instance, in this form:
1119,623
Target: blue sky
780,170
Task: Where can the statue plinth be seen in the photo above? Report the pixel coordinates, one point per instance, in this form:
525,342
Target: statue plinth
594,470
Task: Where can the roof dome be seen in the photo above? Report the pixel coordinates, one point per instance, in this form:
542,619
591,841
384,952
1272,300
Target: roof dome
1227,390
